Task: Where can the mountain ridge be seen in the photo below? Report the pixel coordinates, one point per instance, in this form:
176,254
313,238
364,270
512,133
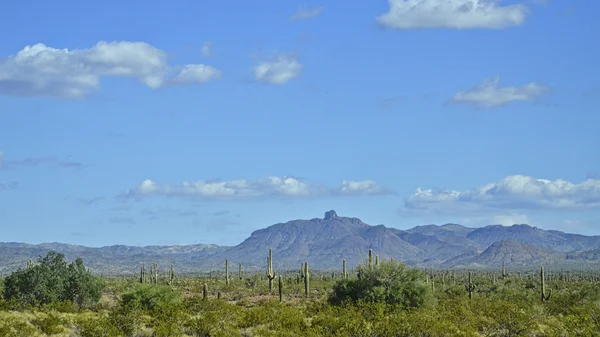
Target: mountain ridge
326,241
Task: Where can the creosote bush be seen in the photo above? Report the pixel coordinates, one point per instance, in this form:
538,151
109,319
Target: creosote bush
389,282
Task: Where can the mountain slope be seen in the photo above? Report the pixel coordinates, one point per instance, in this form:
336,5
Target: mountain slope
514,254
326,242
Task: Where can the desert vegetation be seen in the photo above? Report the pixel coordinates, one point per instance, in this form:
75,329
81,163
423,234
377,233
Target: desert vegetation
52,297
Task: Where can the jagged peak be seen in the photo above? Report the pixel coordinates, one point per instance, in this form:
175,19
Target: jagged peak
330,215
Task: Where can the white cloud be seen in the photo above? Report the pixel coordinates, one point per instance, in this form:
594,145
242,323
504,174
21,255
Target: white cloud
512,192
459,14
489,94
287,187
40,70
277,71
365,187
207,49
306,13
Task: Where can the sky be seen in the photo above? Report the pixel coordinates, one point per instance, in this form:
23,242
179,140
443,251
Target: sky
146,123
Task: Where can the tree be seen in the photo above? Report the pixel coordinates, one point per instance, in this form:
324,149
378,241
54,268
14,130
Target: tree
390,282
52,280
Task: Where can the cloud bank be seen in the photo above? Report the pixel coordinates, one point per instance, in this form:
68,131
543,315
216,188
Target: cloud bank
457,14
268,187
512,192
40,70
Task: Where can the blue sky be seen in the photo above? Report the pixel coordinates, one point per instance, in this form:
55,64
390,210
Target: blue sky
199,122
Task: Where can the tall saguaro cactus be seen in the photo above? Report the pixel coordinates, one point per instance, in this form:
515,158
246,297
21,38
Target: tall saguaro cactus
142,274
226,271
370,258
503,270
544,296
204,291
240,274
270,272
344,272
306,280
470,287
171,276
280,289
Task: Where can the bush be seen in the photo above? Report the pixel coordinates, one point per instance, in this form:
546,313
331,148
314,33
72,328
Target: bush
390,282
150,297
49,324
51,281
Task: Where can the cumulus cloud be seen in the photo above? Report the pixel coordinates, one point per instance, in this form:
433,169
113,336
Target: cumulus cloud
457,14
489,94
268,187
304,13
365,187
279,70
40,70
512,192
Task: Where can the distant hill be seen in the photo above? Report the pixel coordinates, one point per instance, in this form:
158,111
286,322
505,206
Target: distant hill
326,242
513,254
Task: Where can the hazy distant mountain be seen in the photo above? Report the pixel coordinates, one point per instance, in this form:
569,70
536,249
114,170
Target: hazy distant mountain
326,242
113,259
514,254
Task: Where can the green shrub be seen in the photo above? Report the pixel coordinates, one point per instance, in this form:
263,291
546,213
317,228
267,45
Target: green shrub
149,297
390,282
49,324
95,326
15,327
125,318
53,280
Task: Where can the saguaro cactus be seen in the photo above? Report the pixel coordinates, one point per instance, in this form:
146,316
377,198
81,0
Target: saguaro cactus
29,264
204,291
503,270
142,275
470,287
370,258
270,272
544,296
240,274
376,260
171,276
226,271
306,280
344,272
280,289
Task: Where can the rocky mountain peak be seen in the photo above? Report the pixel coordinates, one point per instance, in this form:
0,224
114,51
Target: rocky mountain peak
330,215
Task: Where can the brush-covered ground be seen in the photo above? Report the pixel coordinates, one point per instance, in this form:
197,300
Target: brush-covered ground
389,300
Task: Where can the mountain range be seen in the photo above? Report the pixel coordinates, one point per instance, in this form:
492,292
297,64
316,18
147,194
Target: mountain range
326,241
